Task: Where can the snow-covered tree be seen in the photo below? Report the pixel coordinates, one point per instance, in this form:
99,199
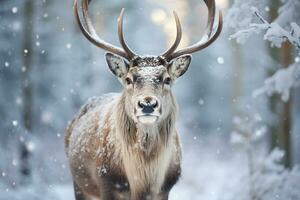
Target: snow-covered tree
285,28
283,32
266,177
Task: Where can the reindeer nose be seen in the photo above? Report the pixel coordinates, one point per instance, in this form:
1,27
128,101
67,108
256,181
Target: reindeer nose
148,104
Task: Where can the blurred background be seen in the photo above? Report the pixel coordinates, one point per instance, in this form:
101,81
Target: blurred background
239,103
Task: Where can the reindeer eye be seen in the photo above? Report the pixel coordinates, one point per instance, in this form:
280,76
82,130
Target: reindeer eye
128,81
167,81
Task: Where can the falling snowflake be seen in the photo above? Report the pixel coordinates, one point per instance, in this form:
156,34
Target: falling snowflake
201,102
14,162
14,10
15,123
69,46
220,60
30,146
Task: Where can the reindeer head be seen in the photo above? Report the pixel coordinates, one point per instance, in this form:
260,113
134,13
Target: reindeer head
147,79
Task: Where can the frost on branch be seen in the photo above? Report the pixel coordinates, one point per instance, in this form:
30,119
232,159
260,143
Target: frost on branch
248,129
277,35
239,15
274,33
272,181
281,82
242,35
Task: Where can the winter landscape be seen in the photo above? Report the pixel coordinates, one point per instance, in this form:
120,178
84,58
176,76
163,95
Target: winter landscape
239,119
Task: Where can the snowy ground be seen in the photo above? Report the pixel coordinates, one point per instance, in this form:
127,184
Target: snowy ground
208,164
207,168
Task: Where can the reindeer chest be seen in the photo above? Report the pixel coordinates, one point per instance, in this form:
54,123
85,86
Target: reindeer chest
146,173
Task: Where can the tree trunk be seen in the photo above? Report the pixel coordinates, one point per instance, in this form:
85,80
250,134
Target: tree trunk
27,116
284,136
274,99
280,130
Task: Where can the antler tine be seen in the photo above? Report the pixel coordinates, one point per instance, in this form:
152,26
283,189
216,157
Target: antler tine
128,51
199,45
211,5
89,32
178,37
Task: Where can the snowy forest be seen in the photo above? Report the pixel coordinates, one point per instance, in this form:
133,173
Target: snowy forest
239,101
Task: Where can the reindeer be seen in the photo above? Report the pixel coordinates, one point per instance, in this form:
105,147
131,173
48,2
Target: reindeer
125,146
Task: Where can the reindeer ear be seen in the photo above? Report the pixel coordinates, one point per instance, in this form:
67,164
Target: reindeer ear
178,66
117,65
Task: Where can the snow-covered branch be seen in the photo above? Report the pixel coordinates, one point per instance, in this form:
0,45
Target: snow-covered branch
274,33
281,82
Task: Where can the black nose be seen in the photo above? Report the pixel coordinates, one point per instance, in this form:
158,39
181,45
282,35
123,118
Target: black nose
148,105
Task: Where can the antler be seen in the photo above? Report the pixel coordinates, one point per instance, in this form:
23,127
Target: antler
85,24
211,4
89,32
178,37
129,52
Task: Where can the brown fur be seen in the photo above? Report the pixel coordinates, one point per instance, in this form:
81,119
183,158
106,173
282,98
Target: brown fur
112,158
